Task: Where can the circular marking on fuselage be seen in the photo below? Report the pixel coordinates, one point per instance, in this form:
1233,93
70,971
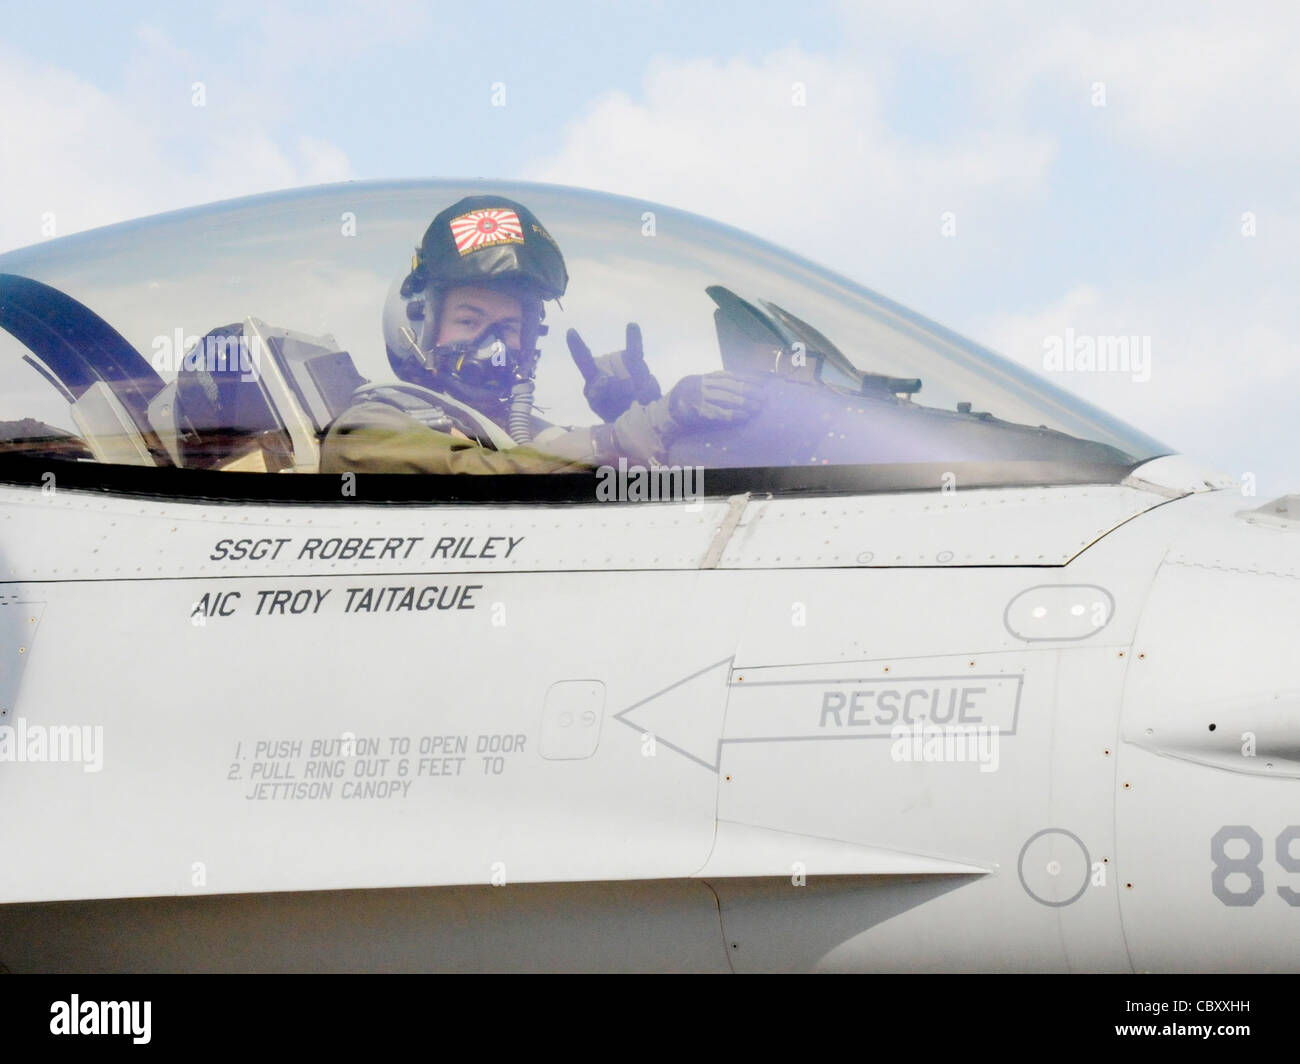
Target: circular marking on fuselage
1054,867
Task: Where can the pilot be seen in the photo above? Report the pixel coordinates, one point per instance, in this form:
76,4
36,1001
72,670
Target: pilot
461,331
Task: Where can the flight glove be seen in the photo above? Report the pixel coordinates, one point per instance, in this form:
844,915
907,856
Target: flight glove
697,403
614,381
710,399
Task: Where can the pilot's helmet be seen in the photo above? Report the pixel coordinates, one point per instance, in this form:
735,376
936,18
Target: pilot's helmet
486,242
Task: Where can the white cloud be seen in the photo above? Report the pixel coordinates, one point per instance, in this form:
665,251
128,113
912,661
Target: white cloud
1196,79
728,140
1222,381
89,157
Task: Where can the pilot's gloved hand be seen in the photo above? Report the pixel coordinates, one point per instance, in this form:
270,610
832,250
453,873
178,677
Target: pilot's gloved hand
646,430
712,399
614,381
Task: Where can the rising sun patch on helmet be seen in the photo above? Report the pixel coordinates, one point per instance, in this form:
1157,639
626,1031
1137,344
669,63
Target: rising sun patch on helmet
486,228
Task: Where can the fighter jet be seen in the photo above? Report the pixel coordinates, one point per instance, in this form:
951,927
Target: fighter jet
910,661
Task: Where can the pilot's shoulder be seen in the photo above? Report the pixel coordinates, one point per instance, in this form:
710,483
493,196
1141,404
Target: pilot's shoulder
376,437
392,406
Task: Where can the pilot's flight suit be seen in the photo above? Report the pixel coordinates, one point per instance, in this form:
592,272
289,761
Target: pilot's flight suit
407,429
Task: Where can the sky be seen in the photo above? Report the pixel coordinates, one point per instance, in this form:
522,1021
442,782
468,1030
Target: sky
1029,175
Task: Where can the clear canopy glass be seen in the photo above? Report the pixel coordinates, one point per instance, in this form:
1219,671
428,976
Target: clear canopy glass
853,379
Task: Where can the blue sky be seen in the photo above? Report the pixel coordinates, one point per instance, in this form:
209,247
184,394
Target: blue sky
1122,219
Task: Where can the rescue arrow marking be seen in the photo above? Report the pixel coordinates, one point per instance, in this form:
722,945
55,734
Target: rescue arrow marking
820,710
702,718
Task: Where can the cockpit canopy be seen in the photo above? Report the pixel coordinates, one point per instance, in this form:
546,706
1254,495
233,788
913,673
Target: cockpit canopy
229,337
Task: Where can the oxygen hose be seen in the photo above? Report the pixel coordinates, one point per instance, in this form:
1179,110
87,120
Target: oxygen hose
521,410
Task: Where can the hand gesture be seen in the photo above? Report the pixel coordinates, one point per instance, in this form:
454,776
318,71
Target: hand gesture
614,381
